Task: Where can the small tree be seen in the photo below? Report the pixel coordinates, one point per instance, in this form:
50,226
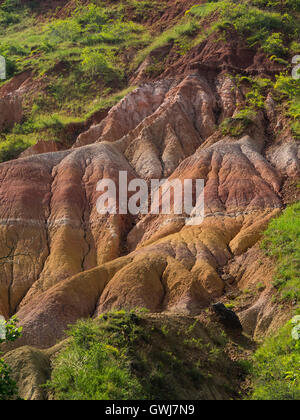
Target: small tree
9,332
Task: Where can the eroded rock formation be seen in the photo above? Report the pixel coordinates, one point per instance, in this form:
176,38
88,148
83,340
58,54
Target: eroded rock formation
65,261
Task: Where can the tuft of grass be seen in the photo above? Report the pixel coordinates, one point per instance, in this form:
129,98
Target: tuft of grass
237,125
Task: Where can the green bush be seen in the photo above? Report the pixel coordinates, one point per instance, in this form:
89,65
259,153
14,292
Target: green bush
13,145
284,6
63,30
95,62
8,387
175,34
274,45
296,130
95,365
266,27
287,87
206,9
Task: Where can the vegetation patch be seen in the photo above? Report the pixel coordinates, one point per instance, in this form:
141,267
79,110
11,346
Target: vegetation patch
282,242
132,355
276,370
8,387
238,125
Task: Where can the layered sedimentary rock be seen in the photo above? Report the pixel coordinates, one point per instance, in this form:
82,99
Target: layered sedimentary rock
62,260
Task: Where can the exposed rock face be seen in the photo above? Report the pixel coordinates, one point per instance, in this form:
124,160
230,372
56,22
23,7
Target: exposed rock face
66,261
10,110
31,369
41,147
228,318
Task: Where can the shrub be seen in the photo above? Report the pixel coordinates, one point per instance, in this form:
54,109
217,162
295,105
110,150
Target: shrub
12,146
287,87
63,30
266,28
92,367
125,355
8,387
95,62
279,5
184,29
296,130
274,45
10,13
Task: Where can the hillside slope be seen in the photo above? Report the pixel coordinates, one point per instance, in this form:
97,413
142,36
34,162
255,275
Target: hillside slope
170,89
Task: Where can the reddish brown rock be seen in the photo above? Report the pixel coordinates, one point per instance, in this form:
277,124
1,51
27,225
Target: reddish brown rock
65,261
41,147
11,112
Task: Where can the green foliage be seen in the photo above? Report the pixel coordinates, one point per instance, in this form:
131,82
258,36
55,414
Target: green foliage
274,45
127,355
9,13
277,367
8,387
12,146
95,62
206,9
12,331
286,87
282,241
84,56
296,130
237,125
92,367
142,8
287,90
279,5
184,29
258,21
87,47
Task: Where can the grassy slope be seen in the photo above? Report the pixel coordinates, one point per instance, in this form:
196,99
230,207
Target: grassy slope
277,363
132,355
82,62
276,373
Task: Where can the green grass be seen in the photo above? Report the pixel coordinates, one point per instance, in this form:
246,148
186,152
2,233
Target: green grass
277,368
259,23
92,368
186,28
80,61
276,364
129,355
204,10
282,242
13,145
238,125
81,55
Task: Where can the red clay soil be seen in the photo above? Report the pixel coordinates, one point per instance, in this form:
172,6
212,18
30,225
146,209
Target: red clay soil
212,56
